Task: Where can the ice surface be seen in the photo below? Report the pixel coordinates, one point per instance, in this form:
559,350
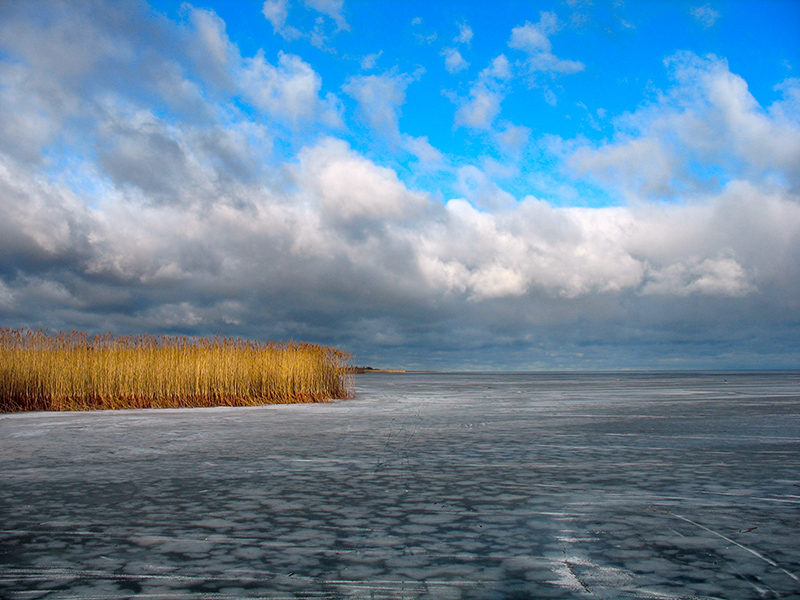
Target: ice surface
657,486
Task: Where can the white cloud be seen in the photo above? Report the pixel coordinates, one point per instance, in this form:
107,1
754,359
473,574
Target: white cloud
380,98
290,89
453,61
348,186
640,164
575,252
499,69
534,40
277,12
786,110
217,55
722,276
369,61
706,130
40,219
427,155
562,251
512,138
479,187
705,14
424,38
464,34
480,110
332,9
30,121
51,55
486,93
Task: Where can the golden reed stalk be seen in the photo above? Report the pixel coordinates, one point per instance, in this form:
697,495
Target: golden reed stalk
73,371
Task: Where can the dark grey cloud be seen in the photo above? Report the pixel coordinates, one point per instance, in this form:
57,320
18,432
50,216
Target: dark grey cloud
148,160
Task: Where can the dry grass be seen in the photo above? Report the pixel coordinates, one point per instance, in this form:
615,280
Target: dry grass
73,371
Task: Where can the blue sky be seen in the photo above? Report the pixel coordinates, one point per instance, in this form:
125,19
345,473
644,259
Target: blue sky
608,60
456,185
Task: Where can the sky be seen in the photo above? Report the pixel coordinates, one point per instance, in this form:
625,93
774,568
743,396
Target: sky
453,185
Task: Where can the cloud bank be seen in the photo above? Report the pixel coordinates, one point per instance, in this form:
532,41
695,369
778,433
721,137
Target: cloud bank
152,178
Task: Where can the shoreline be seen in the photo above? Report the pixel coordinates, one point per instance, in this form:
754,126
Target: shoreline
366,370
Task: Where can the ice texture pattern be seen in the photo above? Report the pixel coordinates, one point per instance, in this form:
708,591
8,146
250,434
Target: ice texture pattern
527,485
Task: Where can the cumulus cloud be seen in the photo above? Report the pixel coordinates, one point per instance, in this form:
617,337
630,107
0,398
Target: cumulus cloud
277,13
707,130
453,61
499,69
380,98
535,247
480,109
478,184
712,276
289,89
144,155
44,82
534,40
369,61
348,186
642,164
423,37
215,54
42,221
421,148
573,252
512,138
331,8
706,15
464,34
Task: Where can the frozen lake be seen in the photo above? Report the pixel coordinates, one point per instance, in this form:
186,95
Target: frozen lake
656,486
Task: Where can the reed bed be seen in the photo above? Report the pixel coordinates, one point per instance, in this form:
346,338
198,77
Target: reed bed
40,370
